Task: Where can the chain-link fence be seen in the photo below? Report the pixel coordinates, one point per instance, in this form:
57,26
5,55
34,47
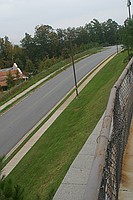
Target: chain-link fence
105,175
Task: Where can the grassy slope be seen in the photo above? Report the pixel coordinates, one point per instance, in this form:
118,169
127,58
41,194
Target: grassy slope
43,168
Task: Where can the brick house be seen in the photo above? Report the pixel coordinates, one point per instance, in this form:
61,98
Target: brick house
15,72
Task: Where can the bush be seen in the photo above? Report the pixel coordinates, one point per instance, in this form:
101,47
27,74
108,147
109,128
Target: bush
9,191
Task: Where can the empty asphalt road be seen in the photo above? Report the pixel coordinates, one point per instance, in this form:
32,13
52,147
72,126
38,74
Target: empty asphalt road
17,121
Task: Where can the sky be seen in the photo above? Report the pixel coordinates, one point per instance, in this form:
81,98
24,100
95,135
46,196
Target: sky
18,17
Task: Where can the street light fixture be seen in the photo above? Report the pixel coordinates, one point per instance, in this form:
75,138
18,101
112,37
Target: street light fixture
129,10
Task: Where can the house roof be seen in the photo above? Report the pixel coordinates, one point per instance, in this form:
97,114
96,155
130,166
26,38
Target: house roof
13,70
7,69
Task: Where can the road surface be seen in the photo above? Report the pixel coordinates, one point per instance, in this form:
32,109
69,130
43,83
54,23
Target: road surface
17,121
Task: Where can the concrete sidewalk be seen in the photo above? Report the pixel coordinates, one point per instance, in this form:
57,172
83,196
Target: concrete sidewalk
74,183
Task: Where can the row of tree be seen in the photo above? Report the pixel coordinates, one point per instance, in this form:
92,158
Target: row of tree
48,43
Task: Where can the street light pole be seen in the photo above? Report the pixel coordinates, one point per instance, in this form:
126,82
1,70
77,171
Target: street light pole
129,10
74,71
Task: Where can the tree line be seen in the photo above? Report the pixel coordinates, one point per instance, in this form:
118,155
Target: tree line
48,45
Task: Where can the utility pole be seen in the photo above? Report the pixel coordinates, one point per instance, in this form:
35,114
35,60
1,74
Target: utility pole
117,48
129,9
74,71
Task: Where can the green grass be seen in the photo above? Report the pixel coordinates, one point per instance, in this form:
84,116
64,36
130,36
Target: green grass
41,171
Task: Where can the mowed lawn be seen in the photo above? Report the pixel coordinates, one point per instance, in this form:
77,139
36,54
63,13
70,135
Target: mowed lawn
41,171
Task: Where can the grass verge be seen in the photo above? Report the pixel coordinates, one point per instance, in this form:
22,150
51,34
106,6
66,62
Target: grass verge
41,171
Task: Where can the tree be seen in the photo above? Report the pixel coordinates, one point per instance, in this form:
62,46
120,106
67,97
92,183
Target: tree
29,66
19,56
61,45
82,37
9,191
95,32
111,30
10,80
46,41
6,52
127,34
65,53
29,47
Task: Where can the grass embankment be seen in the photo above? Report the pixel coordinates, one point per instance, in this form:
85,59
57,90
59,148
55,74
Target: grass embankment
6,96
43,168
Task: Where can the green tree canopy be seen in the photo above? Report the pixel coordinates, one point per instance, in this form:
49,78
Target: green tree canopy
6,52
47,43
127,33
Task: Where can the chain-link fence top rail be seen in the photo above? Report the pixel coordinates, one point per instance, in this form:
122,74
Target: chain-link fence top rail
105,174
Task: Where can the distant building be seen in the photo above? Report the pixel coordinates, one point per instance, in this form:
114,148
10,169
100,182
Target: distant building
15,72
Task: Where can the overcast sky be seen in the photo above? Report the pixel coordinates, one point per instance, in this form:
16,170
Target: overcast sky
18,17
